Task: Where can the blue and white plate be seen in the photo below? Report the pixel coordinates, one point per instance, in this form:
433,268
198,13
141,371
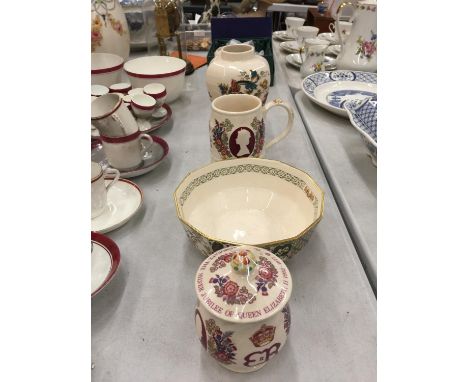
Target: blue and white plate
332,89
363,116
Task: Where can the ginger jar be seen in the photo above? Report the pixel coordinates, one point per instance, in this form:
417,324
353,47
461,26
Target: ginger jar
238,69
242,316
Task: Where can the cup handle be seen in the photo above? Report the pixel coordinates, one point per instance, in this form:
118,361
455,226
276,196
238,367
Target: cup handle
116,173
148,138
287,107
338,16
331,27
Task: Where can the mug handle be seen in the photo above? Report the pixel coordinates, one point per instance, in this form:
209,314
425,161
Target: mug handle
116,176
148,138
338,16
279,102
331,27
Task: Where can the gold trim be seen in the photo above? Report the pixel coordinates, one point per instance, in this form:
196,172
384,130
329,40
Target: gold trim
302,233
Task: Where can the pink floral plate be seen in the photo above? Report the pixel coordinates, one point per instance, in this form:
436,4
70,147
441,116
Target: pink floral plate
152,158
105,260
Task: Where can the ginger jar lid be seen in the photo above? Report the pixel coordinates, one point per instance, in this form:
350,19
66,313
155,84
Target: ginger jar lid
243,284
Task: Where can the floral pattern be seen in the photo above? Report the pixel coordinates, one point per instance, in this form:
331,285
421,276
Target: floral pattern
367,48
267,275
318,67
254,83
96,30
231,292
220,137
96,35
221,262
220,345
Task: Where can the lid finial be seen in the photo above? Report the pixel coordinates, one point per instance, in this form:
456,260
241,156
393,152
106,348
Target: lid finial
243,262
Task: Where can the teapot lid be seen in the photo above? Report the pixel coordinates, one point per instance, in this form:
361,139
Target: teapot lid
243,284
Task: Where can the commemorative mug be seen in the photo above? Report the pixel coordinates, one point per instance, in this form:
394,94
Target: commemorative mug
99,188
126,153
237,127
111,116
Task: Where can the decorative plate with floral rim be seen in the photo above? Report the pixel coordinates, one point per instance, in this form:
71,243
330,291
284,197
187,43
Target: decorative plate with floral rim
332,89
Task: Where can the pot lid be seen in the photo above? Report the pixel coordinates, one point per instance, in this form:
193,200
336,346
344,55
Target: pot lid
243,284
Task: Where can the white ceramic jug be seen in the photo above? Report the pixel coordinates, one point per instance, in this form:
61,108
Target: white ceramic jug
315,53
359,51
109,29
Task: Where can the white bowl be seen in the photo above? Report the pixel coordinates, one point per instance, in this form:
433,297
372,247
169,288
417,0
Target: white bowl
106,68
169,71
253,201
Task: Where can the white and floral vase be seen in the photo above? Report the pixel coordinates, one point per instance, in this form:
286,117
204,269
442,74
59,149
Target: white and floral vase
237,69
242,317
109,29
359,51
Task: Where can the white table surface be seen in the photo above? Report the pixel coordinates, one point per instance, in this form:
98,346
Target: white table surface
143,321
350,173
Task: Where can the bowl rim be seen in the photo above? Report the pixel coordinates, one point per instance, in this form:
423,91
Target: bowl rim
106,69
261,245
156,73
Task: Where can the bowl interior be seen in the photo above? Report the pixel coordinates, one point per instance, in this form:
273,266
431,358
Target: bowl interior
154,65
105,61
250,207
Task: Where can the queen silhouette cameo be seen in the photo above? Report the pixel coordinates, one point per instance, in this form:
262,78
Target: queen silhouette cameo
242,142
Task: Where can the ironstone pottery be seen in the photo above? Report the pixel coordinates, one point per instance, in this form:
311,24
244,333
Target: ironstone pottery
242,317
259,202
237,69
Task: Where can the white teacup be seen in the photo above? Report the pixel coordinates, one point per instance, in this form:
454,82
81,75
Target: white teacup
304,32
99,188
345,27
126,153
143,105
111,117
292,23
237,126
158,92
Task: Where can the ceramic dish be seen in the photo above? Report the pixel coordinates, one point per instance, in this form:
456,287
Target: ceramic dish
146,125
331,90
106,68
152,159
295,60
254,201
124,199
331,37
282,36
169,71
105,260
290,46
363,116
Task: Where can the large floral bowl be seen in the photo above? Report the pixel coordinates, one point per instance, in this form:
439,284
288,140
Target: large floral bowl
363,116
259,202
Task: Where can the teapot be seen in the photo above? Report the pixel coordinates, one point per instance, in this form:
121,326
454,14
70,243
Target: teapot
359,50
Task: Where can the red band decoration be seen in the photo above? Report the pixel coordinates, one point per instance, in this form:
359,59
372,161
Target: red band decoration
142,107
111,112
124,139
107,70
157,95
164,75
